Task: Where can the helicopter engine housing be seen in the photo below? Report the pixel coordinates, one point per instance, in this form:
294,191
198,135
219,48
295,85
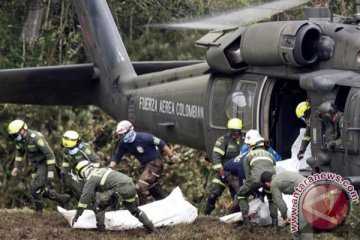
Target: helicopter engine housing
275,43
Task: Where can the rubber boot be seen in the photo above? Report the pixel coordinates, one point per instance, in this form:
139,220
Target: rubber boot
63,199
208,209
274,222
142,197
146,222
38,206
246,221
100,227
234,207
157,192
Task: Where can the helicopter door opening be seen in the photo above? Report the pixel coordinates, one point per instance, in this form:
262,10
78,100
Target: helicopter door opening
352,122
279,121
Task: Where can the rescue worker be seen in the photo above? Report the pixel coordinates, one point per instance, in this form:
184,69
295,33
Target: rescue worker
146,148
32,145
236,167
284,183
75,151
226,147
256,162
112,185
245,150
334,123
303,112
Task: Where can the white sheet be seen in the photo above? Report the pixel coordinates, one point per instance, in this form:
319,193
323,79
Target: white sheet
260,209
172,210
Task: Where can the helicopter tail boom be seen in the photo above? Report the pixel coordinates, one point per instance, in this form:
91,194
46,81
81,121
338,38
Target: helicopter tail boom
60,85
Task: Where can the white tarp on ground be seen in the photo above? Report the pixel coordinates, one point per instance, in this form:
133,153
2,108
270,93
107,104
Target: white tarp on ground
172,210
260,210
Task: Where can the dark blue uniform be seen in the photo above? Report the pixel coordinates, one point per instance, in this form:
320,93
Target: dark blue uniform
145,148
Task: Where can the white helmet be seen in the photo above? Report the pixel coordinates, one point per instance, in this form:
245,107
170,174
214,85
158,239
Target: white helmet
252,137
123,127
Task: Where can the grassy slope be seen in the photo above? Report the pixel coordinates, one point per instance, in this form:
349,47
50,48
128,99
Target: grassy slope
25,224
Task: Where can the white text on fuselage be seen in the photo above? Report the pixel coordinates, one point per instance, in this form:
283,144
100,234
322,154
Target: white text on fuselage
170,107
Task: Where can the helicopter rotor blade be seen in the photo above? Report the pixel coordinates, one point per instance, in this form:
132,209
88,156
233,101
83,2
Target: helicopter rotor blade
236,18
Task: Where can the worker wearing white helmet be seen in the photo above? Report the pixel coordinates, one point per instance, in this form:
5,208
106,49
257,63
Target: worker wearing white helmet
256,162
147,149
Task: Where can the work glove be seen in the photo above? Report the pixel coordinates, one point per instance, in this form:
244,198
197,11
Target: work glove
331,145
74,220
14,172
300,155
174,159
63,176
79,211
50,175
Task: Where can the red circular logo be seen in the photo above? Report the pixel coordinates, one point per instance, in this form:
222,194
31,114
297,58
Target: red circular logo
325,206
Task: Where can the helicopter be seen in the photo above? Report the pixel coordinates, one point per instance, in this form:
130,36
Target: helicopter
257,73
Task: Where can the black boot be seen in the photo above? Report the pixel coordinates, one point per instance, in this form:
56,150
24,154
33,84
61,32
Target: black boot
38,207
234,207
208,209
157,192
246,221
146,222
100,227
274,222
63,200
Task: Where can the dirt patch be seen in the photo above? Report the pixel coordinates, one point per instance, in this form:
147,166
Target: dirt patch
18,224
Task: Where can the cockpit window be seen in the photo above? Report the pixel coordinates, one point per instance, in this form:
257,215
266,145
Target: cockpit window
240,104
220,91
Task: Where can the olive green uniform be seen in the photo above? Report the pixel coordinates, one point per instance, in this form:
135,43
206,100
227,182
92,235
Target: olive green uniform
70,161
284,183
334,133
256,162
225,148
42,159
111,183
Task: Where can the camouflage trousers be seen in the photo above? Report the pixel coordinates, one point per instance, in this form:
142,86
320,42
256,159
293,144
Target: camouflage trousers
148,184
